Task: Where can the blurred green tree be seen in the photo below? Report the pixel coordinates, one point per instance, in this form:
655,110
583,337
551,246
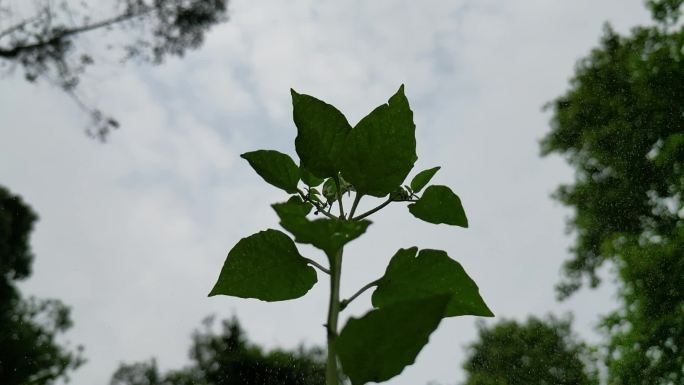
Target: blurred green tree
227,358
45,38
29,351
621,126
537,352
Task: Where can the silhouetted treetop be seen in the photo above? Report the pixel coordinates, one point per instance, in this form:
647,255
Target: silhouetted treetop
621,127
667,11
43,41
30,352
535,352
16,223
228,358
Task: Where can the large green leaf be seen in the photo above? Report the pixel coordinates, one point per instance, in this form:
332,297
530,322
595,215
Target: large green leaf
423,178
381,149
275,167
266,266
439,204
321,132
379,345
326,234
308,178
431,272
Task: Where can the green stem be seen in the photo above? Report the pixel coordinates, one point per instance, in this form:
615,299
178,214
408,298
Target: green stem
331,374
339,196
346,302
317,265
369,212
357,199
316,205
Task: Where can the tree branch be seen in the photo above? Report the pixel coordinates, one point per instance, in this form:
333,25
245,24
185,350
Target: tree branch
15,27
59,34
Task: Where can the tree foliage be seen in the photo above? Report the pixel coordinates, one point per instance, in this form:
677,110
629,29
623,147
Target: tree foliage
536,352
16,224
228,358
46,42
621,126
29,327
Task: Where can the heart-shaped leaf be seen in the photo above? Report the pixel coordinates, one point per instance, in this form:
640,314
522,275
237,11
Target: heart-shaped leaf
266,266
381,149
431,272
326,234
439,204
321,132
423,178
275,167
379,345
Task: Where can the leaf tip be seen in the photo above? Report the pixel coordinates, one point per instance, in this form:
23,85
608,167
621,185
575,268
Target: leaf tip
213,292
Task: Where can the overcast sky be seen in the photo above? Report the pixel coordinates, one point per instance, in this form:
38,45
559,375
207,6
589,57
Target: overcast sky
133,233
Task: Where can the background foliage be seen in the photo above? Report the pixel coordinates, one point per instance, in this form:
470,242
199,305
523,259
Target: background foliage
30,352
537,351
621,127
228,358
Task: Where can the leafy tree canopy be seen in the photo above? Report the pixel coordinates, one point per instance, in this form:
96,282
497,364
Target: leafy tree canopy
29,328
621,126
537,351
227,358
46,41
16,223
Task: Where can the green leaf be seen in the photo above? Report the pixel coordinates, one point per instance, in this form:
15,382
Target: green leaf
432,272
423,178
379,345
275,167
439,204
321,132
308,178
326,234
330,190
294,208
381,150
266,266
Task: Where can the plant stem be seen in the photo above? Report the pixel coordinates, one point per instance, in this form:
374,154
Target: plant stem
331,374
369,212
316,205
339,196
357,199
317,265
346,302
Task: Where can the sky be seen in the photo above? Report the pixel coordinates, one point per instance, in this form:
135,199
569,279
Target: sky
132,233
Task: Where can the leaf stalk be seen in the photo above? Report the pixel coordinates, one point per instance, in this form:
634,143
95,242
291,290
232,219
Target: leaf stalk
346,302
